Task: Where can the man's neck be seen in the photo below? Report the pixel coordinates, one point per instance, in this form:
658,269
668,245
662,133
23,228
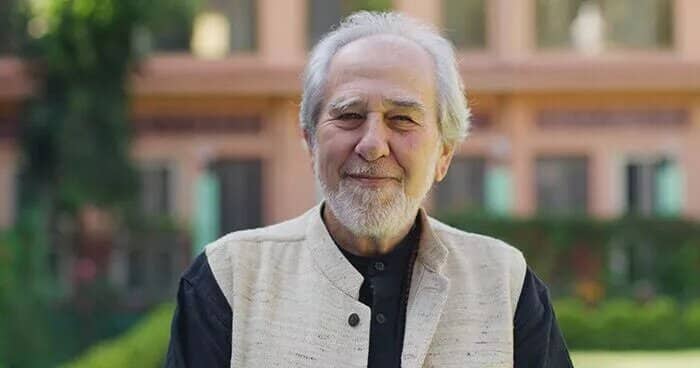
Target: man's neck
365,246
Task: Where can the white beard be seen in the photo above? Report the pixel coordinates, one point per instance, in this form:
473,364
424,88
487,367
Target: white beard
372,212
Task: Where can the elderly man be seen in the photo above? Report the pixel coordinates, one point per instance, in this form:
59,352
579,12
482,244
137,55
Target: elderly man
367,278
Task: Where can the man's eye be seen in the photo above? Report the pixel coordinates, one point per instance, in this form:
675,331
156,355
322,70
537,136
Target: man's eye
402,118
349,116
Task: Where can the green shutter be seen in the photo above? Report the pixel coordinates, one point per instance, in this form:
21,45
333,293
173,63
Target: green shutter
499,191
206,221
669,189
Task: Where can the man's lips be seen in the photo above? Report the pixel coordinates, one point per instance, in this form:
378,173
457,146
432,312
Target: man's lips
370,179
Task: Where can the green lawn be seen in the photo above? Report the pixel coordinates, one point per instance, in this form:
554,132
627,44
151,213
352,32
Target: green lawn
636,359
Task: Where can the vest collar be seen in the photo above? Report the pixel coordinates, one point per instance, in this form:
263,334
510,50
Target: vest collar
339,271
328,258
431,252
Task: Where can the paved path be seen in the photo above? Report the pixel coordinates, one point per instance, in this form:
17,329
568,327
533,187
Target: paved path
641,359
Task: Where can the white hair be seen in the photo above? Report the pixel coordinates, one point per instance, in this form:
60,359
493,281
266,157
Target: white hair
453,113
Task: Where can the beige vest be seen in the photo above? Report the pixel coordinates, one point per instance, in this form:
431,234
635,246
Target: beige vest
291,291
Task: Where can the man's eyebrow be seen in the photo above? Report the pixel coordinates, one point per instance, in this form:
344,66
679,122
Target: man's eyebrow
345,103
407,103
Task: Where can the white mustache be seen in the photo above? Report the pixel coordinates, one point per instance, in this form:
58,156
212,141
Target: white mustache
372,171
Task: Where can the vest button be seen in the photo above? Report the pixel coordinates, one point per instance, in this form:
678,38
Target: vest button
353,320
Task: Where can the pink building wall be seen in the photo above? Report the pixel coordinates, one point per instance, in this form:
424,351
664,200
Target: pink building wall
510,81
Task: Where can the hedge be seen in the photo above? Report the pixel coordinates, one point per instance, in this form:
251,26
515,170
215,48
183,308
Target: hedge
662,254
622,324
618,324
144,345
691,321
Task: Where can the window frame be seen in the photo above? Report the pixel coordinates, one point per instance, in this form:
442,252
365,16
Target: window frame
651,162
585,209
608,48
171,195
344,10
478,162
255,30
487,28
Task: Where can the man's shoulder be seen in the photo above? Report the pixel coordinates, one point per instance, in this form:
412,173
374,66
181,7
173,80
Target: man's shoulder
483,257
243,250
464,242
283,233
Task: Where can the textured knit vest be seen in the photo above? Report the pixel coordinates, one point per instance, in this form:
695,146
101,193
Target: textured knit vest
292,291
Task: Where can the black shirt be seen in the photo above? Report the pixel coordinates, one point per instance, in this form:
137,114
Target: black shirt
385,291
201,328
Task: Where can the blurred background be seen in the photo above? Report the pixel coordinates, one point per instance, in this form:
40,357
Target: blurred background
134,132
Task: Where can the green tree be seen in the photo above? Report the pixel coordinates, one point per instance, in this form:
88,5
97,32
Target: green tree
74,142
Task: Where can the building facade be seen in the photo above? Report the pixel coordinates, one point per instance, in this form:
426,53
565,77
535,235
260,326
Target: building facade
580,107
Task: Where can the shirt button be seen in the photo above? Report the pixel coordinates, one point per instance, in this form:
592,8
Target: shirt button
353,319
379,266
380,318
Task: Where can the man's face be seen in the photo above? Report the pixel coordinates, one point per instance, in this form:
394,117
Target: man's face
378,149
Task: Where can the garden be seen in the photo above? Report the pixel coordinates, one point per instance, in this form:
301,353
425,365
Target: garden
645,314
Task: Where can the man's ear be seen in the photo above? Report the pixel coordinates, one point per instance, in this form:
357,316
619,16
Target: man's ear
309,139
444,159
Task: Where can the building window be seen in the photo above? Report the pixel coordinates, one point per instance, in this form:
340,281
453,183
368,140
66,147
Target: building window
240,189
463,187
324,15
562,185
652,187
605,24
147,265
156,191
464,22
216,26
174,32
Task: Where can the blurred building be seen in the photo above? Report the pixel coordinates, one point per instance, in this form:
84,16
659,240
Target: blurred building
580,107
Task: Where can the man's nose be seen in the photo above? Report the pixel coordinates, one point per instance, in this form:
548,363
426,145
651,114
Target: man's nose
373,144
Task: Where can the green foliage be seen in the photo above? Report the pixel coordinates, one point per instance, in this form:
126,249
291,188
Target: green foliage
370,5
34,326
145,345
563,251
74,145
7,36
621,324
544,241
23,333
75,134
617,324
574,320
691,323
652,325
75,139
172,30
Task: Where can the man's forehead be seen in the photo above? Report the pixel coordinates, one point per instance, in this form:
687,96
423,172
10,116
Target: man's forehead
398,69
348,101
381,54
383,44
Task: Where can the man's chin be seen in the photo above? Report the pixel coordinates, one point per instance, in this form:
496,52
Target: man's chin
366,197
372,216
